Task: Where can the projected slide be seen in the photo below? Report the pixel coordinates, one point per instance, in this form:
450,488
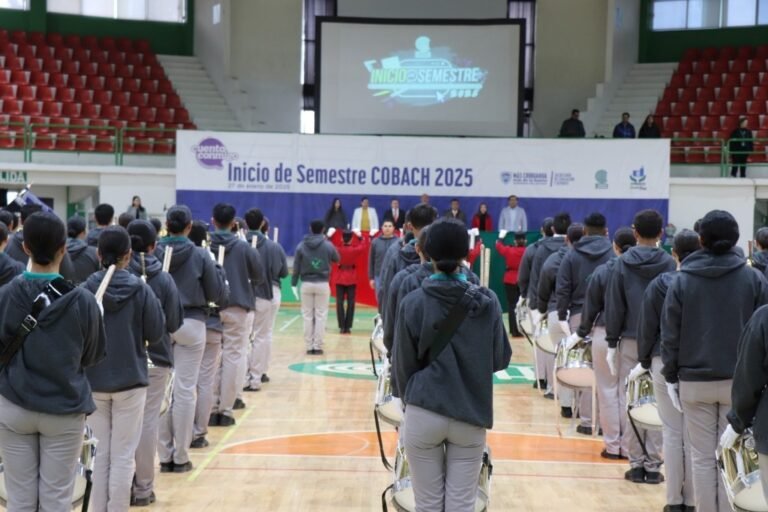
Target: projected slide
420,79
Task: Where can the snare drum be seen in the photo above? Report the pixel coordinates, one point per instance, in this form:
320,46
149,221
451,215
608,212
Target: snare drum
377,338
641,403
523,317
388,407
741,475
543,340
83,471
573,368
402,489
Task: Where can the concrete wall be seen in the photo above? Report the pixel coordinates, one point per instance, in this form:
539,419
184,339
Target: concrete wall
444,9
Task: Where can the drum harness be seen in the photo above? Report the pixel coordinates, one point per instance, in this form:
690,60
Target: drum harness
444,332
641,439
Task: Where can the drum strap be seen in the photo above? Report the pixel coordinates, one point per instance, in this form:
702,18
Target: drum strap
447,328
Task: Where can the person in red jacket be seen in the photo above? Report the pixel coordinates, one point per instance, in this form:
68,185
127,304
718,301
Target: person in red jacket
481,220
475,252
513,255
346,282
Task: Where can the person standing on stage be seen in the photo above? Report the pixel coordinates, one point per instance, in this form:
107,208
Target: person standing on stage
364,219
335,217
455,212
512,217
513,256
395,215
699,340
379,247
482,220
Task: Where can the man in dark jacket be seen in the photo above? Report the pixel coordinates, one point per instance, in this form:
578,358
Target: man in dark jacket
572,127
740,146
84,258
455,212
394,214
312,264
625,129
760,251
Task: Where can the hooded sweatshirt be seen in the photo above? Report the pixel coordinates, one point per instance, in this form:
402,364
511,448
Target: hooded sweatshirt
588,253
9,268
760,260
273,261
397,258
15,250
133,319
165,290
526,266
649,328
594,300
46,374
624,294
92,238
243,267
458,384
199,279
378,252
84,259
705,311
546,247
548,280
312,260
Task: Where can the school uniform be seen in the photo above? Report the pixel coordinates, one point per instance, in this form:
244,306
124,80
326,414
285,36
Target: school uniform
44,393
85,259
346,283
133,319
164,287
15,250
92,238
699,338
513,256
199,281
760,260
449,401
377,252
9,268
523,283
399,256
207,382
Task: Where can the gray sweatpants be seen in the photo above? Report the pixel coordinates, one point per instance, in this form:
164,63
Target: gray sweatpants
705,405
314,309
39,454
608,391
556,333
176,424
205,382
236,323
762,461
445,457
630,444
117,425
144,478
261,343
677,442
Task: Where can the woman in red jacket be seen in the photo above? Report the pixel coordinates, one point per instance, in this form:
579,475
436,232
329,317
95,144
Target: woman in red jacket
346,280
482,220
513,255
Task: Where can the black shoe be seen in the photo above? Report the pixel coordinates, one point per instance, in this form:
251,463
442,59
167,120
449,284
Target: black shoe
250,389
239,404
543,383
689,508
319,352
566,412
264,378
183,468
166,467
516,334
213,421
583,429
311,352
653,477
200,442
226,421
610,456
674,508
342,331
635,475
143,502
549,396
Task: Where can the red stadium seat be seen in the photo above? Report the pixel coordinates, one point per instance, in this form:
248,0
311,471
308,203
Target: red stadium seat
718,108
681,108
149,86
102,97
105,144
124,71
39,124
138,99
125,44
134,59
70,67
156,100
141,72
142,46
673,123
57,80
756,66
711,123
11,106
709,53
727,53
691,123
121,98
761,93
43,141
135,129
65,94
737,107
750,79
89,68
113,83
181,115
156,72
164,115
95,82
739,66
84,96
18,36
743,94
70,110
106,69
108,43
26,92
85,143
8,91
165,146
62,53
129,113
691,54
662,109
99,127
52,108
719,67
111,112
732,80
173,101
19,76
90,42
81,54
724,93
165,87
45,93
745,52
687,95
65,142
714,79
51,66
32,108
147,114
90,111
5,76
705,94
54,39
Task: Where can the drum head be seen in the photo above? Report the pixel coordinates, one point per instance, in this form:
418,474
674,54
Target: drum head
646,416
751,498
575,377
545,344
391,411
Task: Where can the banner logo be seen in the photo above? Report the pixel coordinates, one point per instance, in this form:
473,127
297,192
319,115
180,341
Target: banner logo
601,179
212,153
506,177
424,76
637,180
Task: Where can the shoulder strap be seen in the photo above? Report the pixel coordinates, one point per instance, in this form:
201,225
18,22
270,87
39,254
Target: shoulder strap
447,328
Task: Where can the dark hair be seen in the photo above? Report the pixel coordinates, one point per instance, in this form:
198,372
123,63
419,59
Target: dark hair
114,243
346,236
575,232
685,243
254,218
624,238
75,226
224,214
29,209
480,206
447,244
456,199
45,235
594,223
364,198
316,226
265,225
104,213
561,222
143,235
719,231
157,224
547,225
124,219
625,114
238,225
422,215
421,242
648,223
7,218
198,233
575,111
135,198
761,237
177,219
3,232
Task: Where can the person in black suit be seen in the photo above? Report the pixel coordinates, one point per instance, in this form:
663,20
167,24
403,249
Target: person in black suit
740,146
395,215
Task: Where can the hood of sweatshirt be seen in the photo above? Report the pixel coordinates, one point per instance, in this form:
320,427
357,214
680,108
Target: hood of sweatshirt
451,290
122,287
76,247
705,263
227,239
647,262
9,268
183,248
408,255
314,241
593,247
760,260
152,265
552,243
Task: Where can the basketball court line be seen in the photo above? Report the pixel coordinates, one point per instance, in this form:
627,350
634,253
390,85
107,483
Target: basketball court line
219,446
289,322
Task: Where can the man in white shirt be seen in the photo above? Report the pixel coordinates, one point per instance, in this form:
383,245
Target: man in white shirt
513,218
365,220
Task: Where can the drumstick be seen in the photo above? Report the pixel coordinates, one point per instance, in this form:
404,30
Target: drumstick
143,268
275,240
221,255
253,241
105,283
167,258
487,266
471,239
29,265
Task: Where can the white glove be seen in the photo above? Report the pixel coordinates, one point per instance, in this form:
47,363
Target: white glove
474,231
295,291
357,232
565,327
330,232
636,372
673,390
729,437
373,232
502,233
610,358
573,340
521,302
536,317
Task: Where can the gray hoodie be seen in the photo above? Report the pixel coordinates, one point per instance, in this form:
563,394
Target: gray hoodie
92,238
545,301
594,300
459,383
588,253
199,279
84,259
165,290
546,247
9,268
46,374
377,253
133,319
760,260
273,261
312,260
243,267
649,328
705,310
398,257
526,266
14,250
624,294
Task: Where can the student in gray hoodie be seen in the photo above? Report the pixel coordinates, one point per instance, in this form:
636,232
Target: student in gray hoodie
199,283
760,254
104,214
631,275
268,297
147,267
701,324
448,398
379,247
44,393
83,256
9,267
134,320
312,264
677,443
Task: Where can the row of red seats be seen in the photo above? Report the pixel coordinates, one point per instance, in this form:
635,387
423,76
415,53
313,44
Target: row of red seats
707,137
711,108
89,143
95,111
102,97
726,52
73,67
723,66
710,123
686,80
674,94
76,125
75,41
64,54
76,81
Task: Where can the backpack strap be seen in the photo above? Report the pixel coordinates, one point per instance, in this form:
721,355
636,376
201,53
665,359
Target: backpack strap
450,324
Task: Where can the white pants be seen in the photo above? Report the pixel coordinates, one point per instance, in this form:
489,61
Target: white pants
209,369
236,324
608,391
143,483
39,457
314,308
556,333
261,346
117,425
